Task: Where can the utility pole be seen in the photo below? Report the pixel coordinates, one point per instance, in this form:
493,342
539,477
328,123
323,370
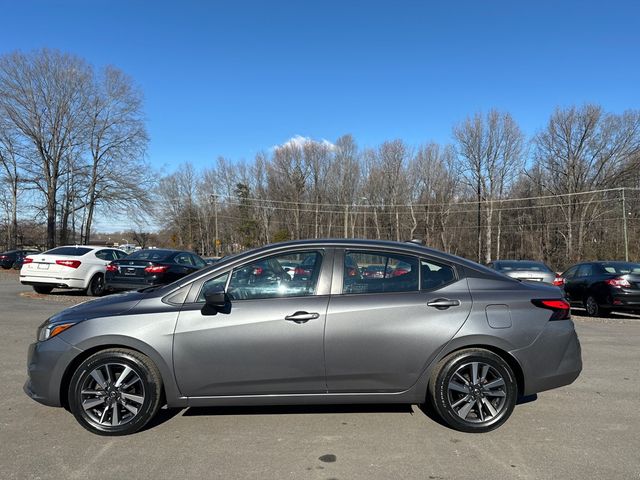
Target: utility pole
215,221
624,228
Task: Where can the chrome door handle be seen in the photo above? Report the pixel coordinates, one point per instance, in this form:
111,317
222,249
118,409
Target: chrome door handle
443,303
302,317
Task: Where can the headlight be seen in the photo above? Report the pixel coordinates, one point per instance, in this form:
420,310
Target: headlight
49,330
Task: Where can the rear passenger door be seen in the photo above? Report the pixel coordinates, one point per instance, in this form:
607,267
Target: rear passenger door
381,333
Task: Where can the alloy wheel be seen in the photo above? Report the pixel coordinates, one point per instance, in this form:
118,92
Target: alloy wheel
477,392
112,395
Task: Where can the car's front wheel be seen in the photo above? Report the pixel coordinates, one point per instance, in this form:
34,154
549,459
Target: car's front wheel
473,390
115,392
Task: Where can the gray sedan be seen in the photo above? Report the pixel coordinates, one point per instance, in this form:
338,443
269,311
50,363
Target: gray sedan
441,330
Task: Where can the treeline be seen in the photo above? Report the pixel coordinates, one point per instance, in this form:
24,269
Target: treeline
73,140
72,143
491,193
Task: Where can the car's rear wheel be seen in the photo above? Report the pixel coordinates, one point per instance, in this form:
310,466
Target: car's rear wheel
473,390
42,289
115,392
96,286
594,309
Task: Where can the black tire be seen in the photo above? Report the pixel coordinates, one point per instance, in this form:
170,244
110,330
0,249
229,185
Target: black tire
142,400
42,289
96,286
4,267
450,404
594,309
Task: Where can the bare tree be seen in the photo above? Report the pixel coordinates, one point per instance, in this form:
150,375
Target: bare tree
490,150
43,96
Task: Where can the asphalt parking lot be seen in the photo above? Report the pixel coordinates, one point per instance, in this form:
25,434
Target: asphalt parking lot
586,430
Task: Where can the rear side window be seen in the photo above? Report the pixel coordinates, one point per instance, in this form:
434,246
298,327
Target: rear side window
185,259
68,251
377,272
435,275
105,255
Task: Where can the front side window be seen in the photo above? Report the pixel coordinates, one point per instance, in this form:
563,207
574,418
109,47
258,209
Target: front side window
377,272
267,278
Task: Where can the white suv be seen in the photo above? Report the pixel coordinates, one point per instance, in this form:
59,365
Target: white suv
80,266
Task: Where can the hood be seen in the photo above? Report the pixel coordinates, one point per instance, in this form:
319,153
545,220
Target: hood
100,307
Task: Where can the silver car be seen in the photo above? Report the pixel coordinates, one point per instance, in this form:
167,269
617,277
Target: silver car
529,270
445,331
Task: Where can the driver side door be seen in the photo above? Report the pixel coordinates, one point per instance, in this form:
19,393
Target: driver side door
269,340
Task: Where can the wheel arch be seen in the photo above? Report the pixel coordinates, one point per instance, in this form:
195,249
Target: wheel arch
501,350
169,386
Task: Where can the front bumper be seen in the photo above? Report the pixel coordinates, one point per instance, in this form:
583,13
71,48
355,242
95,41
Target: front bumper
553,360
46,364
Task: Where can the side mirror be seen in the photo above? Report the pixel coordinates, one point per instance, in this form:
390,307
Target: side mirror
216,299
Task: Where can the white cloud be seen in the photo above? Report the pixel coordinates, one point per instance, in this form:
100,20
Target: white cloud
299,141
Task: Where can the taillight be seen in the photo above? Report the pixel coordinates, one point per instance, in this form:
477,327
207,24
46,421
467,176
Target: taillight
257,271
156,269
561,308
112,268
2,257
69,263
298,271
558,281
27,260
618,282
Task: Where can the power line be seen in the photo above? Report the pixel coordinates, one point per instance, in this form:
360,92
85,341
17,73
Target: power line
465,202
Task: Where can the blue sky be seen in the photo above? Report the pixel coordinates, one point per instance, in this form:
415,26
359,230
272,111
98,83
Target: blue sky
233,78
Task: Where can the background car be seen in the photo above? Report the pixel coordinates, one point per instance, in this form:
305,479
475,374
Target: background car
146,268
244,333
72,266
601,287
9,258
529,270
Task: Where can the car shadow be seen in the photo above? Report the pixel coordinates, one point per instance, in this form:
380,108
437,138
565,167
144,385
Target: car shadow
298,409
580,312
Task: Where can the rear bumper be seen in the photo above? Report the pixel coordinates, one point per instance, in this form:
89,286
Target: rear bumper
623,301
111,285
56,282
553,360
46,364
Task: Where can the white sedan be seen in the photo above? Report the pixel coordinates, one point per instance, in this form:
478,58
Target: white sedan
80,267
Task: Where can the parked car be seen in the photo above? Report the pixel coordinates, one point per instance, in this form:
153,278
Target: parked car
374,271
9,258
449,330
601,287
146,268
73,266
529,270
